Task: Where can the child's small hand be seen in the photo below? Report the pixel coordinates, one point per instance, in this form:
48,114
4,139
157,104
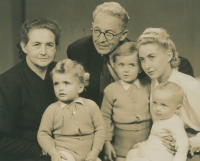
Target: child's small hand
194,145
56,156
92,155
109,151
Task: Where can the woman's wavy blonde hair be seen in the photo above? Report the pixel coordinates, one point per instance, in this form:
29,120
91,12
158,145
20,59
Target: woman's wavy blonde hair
161,37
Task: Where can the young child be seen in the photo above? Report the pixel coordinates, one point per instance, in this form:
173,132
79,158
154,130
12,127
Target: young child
125,105
167,102
71,128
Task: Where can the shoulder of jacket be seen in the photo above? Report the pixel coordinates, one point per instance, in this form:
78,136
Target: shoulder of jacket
82,41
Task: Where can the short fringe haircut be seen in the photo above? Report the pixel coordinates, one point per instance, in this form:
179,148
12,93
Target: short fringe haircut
70,66
127,48
162,38
113,9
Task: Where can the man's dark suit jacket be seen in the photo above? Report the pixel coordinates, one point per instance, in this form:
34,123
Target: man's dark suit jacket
84,52
185,66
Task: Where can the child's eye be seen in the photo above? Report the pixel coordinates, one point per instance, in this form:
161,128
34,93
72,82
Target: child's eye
55,83
141,59
121,64
66,83
152,57
131,65
163,105
36,45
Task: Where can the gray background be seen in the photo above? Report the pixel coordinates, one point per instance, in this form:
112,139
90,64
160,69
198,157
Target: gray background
181,18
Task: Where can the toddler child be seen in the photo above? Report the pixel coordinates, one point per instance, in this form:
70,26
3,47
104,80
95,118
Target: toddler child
125,106
167,102
71,128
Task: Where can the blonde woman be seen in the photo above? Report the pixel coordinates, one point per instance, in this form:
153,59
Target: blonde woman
159,60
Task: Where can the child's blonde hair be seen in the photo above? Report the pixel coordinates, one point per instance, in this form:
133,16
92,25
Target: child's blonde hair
162,38
175,88
70,66
126,49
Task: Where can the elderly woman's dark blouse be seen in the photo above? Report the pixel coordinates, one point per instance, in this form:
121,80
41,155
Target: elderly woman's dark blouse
24,96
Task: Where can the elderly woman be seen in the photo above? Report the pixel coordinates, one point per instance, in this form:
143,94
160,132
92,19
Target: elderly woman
160,60
27,89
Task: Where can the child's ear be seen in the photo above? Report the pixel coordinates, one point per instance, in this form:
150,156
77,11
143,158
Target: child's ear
178,108
81,88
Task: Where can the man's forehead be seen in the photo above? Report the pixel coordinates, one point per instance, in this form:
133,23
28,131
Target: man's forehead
107,22
103,15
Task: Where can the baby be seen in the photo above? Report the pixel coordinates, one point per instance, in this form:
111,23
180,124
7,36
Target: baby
167,102
72,128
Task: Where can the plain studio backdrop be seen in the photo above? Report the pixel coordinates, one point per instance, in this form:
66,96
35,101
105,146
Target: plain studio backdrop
181,18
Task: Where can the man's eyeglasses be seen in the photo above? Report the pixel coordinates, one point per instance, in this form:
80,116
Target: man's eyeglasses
109,36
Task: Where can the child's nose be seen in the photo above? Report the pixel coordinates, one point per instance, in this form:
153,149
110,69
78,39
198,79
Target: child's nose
126,68
60,87
157,108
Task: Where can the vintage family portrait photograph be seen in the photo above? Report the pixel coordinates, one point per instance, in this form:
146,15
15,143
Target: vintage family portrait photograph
99,80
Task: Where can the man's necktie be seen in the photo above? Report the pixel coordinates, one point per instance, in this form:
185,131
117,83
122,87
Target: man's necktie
105,77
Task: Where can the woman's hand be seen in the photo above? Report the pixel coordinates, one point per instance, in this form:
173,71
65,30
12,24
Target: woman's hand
169,143
194,145
109,151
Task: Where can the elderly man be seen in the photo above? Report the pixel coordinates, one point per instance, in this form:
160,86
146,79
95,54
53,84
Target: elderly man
109,24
